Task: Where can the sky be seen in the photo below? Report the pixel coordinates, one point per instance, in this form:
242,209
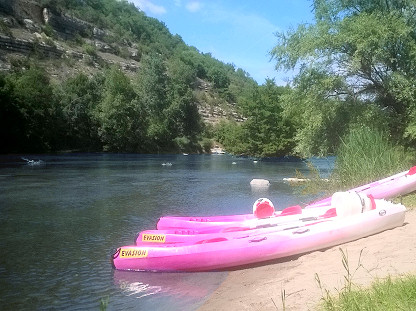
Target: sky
234,31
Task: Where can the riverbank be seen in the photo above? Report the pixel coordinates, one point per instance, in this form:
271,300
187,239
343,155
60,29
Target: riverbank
261,288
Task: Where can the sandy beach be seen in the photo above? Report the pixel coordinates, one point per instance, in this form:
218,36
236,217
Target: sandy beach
391,252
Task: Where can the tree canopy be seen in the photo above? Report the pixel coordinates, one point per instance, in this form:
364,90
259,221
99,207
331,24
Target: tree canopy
359,54
106,108
355,64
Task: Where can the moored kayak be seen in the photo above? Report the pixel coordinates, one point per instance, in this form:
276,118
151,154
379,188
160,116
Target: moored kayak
222,232
392,186
230,230
386,188
348,225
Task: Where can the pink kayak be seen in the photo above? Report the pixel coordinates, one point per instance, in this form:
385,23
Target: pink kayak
215,234
396,185
217,223
349,224
387,188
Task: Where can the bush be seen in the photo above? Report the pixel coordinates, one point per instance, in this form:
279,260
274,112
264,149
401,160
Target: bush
90,50
207,145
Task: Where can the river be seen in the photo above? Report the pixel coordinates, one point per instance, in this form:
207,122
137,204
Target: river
62,216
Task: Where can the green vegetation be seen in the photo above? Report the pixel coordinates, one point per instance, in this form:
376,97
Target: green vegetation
355,73
384,294
266,132
389,294
152,111
366,155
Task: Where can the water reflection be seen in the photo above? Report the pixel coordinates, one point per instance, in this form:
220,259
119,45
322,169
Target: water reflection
185,290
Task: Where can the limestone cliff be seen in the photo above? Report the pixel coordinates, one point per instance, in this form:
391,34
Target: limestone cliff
66,45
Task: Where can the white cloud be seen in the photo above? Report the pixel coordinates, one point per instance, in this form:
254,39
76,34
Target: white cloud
149,7
193,6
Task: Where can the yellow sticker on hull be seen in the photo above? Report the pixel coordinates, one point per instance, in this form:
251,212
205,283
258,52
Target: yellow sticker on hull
155,238
133,253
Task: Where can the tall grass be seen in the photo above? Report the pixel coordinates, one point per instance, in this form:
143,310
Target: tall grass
366,155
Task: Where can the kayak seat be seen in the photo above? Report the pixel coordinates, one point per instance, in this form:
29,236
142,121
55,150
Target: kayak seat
412,171
291,210
352,203
372,201
332,212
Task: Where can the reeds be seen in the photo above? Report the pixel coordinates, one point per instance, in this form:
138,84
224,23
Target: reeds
366,155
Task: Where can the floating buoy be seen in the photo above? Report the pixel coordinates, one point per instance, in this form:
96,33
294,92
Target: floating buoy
259,183
296,179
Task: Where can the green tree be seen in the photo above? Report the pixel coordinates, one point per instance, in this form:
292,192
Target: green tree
122,117
31,101
268,132
79,97
12,121
182,74
355,52
232,136
152,88
182,114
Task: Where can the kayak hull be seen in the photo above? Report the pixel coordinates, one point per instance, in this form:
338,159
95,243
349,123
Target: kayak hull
266,246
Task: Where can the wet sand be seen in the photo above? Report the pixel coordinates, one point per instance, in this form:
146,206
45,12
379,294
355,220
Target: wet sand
392,252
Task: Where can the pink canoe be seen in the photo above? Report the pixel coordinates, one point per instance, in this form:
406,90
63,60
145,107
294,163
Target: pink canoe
386,188
216,234
223,253
395,185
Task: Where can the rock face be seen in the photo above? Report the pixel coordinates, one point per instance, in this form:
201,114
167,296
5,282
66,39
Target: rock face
24,22
24,25
66,26
27,47
32,14
23,9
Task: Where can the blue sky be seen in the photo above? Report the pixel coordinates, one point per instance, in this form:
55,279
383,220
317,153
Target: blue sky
233,31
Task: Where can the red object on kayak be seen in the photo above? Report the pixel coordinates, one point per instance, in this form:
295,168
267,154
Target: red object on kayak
263,208
412,171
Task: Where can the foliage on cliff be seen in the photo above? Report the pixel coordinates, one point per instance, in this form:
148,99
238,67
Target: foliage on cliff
354,72
102,107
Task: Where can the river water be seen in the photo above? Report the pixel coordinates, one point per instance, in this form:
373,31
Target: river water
61,216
